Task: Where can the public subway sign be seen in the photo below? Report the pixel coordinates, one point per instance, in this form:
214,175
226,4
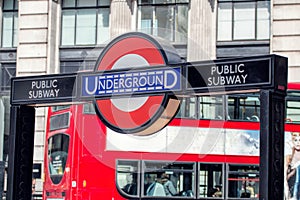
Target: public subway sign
128,82
229,74
43,89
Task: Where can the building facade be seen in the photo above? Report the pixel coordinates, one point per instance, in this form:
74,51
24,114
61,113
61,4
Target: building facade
62,36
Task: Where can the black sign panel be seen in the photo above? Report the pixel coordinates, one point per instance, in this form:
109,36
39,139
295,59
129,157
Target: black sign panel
222,76
229,75
42,89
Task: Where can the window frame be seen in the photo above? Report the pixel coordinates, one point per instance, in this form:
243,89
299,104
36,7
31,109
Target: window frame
6,76
76,8
14,26
174,5
232,22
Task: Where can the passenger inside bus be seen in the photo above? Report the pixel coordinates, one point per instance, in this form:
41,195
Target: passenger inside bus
218,191
156,188
247,191
168,185
130,187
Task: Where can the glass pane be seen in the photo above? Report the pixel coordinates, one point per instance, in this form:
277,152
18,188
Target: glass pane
263,20
293,111
7,72
181,24
164,1
58,146
187,108
59,121
58,108
68,28
243,181
244,108
68,3
104,2
127,176
86,27
146,1
169,179
7,32
89,108
82,3
211,107
211,180
15,32
16,5
8,4
103,26
244,21
165,22
145,22
225,21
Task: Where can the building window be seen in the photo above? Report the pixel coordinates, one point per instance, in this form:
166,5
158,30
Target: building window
243,20
10,23
7,72
85,22
164,18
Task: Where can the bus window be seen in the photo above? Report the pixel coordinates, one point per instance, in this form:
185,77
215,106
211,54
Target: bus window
57,156
210,107
89,108
127,176
187,108
59,121
211,180
243,181
58,108
169,179
293,111
242,107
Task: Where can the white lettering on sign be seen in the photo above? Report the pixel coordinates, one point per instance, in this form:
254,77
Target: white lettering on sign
227,75
43,89
136,81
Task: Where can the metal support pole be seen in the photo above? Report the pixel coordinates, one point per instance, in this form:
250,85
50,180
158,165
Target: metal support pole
272,114
21,145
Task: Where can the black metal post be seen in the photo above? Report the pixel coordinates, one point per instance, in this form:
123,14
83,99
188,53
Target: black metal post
21,145
272,113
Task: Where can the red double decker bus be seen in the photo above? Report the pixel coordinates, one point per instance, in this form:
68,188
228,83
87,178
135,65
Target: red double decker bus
210,150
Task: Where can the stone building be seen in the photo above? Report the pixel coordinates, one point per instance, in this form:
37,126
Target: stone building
62,36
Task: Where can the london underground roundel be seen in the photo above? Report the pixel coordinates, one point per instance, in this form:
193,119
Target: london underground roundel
140,115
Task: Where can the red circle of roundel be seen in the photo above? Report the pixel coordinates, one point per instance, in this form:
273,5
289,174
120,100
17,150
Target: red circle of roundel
138,119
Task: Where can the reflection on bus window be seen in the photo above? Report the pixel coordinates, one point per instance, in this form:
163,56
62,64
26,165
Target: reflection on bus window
58,108
243,181
211,180
89,108
59,121
127,176
169,179
210,107
57,156
293,111
242,107
187,108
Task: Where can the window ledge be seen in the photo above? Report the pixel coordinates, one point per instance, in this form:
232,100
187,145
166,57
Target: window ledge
244,43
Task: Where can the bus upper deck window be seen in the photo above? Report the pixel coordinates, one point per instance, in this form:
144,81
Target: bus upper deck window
210,107
243,107
293,111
